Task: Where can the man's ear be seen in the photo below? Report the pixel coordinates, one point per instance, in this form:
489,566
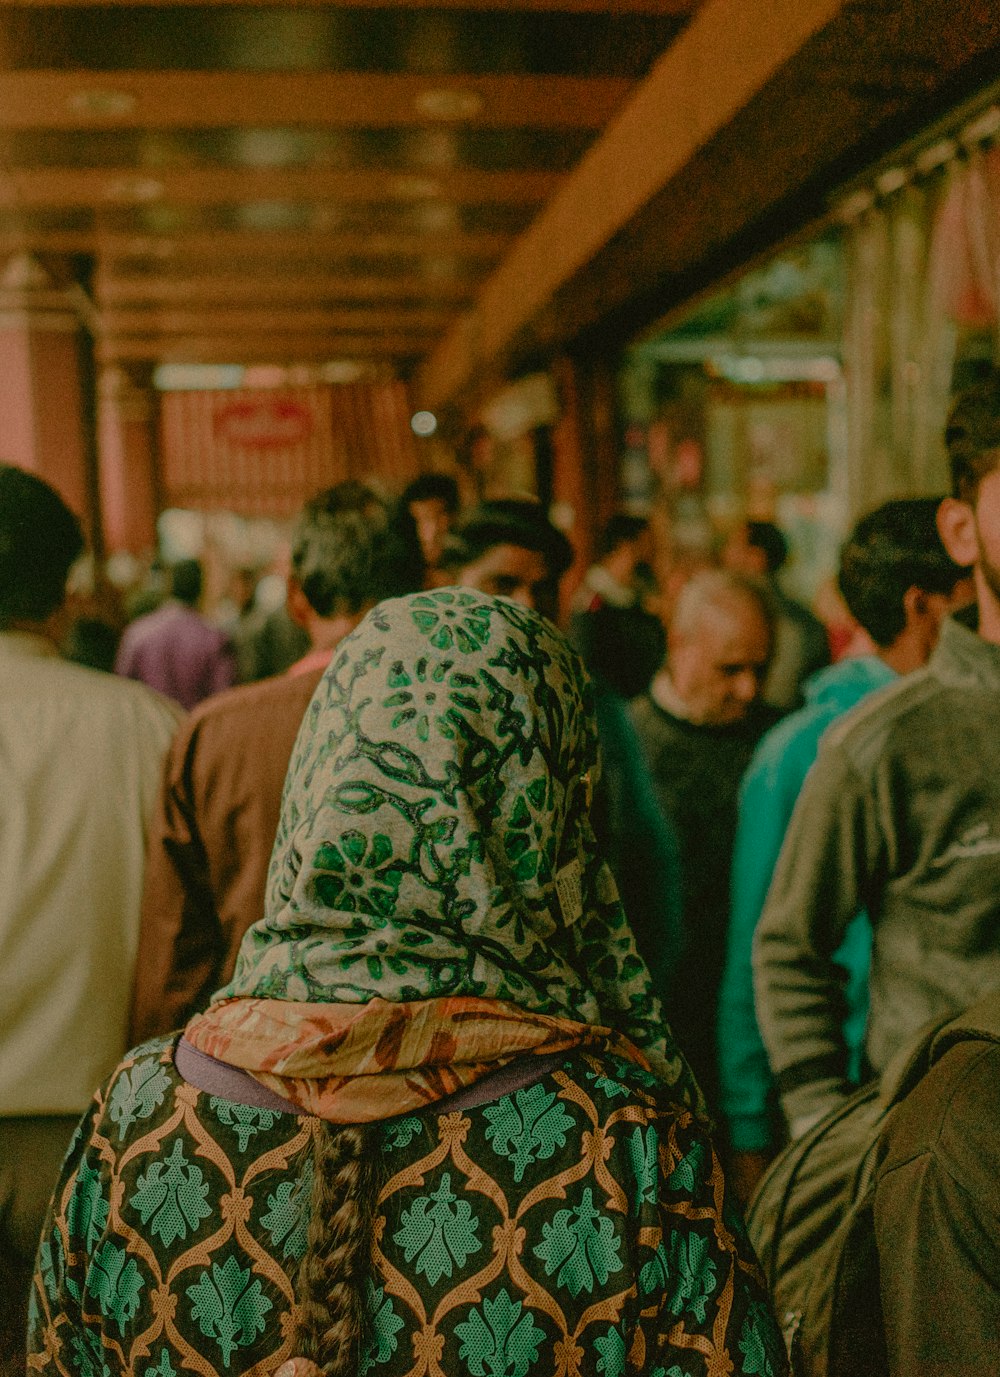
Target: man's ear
956,523
914,604
298,605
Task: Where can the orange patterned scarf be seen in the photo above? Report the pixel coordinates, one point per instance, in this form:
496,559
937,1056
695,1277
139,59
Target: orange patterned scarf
354,1063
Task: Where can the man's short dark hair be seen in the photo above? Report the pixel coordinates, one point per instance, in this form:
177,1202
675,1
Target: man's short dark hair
40,540
765,535
186,581
972,435
350,549
519,521
428,486
619,530
892,549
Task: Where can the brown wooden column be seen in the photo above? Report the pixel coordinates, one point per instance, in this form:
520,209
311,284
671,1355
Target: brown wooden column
43,384
585,477
126,437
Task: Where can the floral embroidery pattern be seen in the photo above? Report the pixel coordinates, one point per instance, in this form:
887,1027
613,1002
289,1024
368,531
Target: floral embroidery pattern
171,1196
228,1306
580,1246
428,810
439,1232
498,1243
137,1093
245,1120
287,1217
499,1337
355,876
527,1127
451,620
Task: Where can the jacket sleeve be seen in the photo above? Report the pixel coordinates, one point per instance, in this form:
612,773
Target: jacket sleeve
55,1305
832,852
767,798
702,1300
181,943
223,673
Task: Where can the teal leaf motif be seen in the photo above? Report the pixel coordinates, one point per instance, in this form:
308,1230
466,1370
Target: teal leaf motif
611,1347
579,1248
52,1265
400,1133
288,1212
500,1339
687,1173
88,1354
136,1093
228,1307
758,1359
115,1283
611,1088
385,1325
244,1119
527,1127
439,1231
172,1194
686,1273
164,1368
643,1153
87,1213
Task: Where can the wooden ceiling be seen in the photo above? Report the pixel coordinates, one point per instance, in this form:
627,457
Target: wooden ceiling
239,182
437,188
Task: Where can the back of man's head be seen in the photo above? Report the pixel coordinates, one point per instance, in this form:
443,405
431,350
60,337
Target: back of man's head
40,540
972,436
517,521
766,537
891,550
620,529
719,593
186,581
348,552
432,487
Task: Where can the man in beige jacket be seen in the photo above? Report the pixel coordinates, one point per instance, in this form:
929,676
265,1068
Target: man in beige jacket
80,758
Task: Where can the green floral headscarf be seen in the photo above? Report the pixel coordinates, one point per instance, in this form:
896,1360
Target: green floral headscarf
435,837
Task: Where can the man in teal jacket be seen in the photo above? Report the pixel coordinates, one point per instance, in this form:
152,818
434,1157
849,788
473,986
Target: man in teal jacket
899,583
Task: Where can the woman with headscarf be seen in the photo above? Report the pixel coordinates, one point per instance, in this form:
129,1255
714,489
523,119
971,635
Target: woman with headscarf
436,1123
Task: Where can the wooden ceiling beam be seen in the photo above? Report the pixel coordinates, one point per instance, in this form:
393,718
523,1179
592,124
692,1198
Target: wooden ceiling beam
225,246
272,320
717,65
284,349
109,290
647,7
70,187
37,99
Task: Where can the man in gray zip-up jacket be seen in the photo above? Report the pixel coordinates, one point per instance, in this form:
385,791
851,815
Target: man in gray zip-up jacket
900,815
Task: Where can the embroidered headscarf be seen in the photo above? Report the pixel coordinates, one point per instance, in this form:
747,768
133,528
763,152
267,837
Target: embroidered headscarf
435,840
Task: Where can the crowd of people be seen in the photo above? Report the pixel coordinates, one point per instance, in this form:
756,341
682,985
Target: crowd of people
475,972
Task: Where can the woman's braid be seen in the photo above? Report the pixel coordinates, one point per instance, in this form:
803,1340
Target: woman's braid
333,1275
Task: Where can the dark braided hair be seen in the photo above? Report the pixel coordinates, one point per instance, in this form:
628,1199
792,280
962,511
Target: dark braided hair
333,1275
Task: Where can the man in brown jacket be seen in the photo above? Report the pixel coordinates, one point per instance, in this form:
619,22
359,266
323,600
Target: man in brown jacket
211,838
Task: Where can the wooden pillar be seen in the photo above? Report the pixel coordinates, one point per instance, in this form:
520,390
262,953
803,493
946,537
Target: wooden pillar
43,386
126,435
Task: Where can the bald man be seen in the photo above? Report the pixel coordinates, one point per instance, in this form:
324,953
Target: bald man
699,724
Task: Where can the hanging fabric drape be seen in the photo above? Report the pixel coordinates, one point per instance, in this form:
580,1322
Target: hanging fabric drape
923,267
